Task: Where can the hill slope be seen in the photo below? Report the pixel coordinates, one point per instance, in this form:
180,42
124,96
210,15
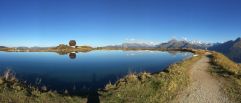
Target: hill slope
231,48
175,44
2,47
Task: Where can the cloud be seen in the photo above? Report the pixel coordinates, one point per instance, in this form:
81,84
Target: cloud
184,38
130,39
133,40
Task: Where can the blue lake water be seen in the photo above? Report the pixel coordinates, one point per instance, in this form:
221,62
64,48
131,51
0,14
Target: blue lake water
84,70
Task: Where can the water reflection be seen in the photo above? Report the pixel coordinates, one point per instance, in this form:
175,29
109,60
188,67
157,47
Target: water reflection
87,89
173,53
62,53
86,73
72,55
93,96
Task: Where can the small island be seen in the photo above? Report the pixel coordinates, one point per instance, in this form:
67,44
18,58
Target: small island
62,48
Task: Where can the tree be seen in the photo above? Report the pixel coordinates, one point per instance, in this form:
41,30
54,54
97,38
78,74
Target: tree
72,43
72,55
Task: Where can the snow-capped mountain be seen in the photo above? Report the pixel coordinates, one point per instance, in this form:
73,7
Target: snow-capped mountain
132,46
179,44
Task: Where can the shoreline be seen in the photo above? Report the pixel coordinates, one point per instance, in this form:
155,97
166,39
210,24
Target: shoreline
170,81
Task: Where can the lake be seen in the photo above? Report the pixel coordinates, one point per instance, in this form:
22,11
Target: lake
82,71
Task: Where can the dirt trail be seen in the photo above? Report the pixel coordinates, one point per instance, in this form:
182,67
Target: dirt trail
204,88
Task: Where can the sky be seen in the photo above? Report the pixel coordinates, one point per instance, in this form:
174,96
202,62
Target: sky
107,22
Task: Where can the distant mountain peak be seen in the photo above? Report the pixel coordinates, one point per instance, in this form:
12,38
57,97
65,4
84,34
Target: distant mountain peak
172,40
238,39
3,47
177,44
230,48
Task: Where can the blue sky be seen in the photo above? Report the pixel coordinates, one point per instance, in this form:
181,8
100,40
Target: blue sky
103,22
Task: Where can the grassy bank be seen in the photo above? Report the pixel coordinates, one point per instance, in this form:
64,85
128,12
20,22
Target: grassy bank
133,88
14,91
230,72
150,88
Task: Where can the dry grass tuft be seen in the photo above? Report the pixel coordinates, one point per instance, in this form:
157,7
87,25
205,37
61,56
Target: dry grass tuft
150,88
13,91
231,72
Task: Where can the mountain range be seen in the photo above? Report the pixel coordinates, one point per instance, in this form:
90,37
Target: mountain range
3,47
175,44
131,46
231,48
172,44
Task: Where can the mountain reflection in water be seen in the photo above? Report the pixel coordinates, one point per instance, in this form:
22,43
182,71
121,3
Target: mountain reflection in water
83,73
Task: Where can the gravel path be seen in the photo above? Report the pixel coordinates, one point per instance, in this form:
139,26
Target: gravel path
203,88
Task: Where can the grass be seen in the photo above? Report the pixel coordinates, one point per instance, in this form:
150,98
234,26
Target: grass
225,64
144,87
13,91
231,73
